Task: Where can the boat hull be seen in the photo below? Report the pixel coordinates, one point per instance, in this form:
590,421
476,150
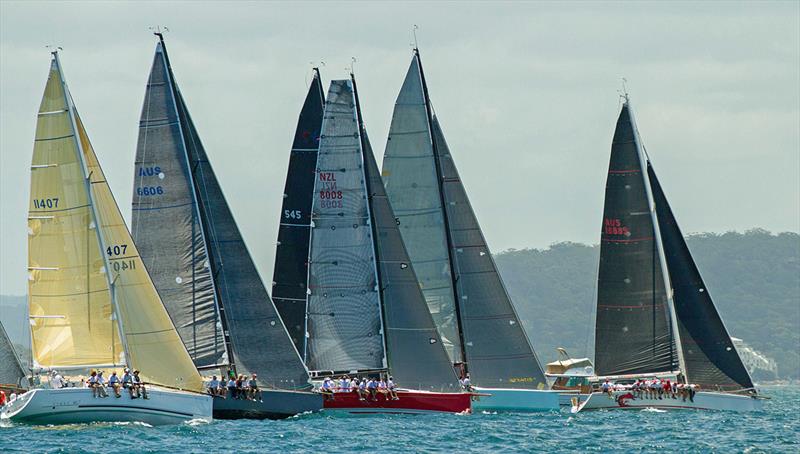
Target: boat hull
77,406
410,401
703,400
274,404
518,400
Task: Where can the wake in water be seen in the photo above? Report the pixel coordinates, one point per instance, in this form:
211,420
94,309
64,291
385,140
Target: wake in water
654,410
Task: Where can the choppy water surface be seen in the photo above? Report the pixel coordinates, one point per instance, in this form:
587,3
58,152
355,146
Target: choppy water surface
777,429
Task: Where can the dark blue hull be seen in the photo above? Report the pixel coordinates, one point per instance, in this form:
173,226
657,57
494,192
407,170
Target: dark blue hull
274,404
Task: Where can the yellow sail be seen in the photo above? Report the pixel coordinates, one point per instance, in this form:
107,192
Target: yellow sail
149,337
69,298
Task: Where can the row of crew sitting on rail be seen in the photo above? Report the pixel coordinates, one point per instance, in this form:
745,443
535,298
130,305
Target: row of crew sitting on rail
366,388
239,387
97,383
654,388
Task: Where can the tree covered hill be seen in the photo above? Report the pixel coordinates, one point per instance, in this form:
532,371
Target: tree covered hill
753,278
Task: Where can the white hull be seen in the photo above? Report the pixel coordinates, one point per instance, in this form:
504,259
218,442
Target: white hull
77,406
504,399
703,400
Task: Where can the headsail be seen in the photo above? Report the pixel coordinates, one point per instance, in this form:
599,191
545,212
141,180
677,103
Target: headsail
710,358
99,260
11,371
343,321
257,337
633,329
453,263
289,282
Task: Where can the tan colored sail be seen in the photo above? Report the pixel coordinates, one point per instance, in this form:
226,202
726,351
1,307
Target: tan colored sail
69,298
114,265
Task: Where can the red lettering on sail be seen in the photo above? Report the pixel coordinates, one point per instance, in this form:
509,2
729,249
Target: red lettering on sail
613,226
327,176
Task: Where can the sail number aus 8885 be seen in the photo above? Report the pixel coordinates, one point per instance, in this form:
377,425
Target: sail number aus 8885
41,204
149,190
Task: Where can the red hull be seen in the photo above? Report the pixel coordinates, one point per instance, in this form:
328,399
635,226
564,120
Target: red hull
410,401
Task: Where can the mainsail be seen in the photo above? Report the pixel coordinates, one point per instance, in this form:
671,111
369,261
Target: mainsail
91,300
289,284
462,286
633,330
229,295
710,358
11,371
366,261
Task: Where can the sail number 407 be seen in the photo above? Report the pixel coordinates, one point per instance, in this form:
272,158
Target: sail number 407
116,250
41,204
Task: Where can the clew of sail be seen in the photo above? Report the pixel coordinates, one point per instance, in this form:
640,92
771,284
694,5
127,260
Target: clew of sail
633,329
343,319
710,358
289,278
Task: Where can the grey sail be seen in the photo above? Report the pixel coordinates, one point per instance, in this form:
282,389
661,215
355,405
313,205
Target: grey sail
498,351
166,223
710,358
343,318
291,268
257,337
409,173
455,268
633,329
417,358
11,371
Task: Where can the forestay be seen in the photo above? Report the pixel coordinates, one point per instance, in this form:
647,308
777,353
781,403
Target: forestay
289,284
258,339
99,259
343,319
710,358
633,329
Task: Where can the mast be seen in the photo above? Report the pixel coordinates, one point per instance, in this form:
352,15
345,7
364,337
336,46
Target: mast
95,217
373,227
643,160
445,217
199,211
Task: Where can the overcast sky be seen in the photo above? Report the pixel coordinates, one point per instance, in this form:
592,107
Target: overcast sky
527,94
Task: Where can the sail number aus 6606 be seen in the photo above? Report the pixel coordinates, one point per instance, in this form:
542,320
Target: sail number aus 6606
149,190
41,204
119,249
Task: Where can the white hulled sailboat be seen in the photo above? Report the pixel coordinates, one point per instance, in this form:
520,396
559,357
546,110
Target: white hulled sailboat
91,301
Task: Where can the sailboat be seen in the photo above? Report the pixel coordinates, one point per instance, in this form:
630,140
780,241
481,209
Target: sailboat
12,374
456,271
289,282
655,317
200,264
366,315
92,304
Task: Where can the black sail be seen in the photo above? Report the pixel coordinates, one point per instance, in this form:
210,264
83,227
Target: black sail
166,223
11,372
498,351
258,339
417,357
710,358
633,331
289,282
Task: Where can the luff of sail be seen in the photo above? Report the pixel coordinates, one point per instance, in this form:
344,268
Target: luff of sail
633,329
257,337
289,282
150,340
452,260
343,317
11,372
166,223
710,358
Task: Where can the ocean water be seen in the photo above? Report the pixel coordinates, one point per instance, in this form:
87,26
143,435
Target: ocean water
777,429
